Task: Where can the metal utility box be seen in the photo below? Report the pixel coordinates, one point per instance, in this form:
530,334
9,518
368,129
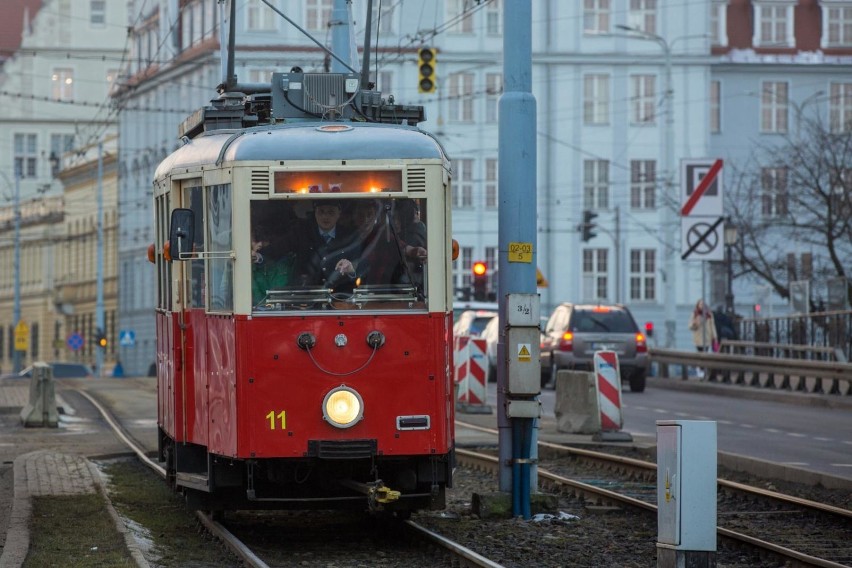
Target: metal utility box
686,485
523,344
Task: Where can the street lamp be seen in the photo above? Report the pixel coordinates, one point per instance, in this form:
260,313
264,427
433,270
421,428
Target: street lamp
16,310
730,241
668,167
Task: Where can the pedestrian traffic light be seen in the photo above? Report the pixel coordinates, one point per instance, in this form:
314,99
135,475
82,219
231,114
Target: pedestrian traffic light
426,70
100,338
480,281
588,225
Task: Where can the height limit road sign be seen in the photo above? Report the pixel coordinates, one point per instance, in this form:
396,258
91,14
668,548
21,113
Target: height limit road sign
702,227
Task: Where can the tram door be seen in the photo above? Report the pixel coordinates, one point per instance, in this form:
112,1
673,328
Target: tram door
189,311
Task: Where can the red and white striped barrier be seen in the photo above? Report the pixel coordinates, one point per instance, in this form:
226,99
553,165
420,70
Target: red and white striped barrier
470,374
608,386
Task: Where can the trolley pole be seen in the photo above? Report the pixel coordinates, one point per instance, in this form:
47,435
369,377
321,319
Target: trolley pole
99,292
16,315
516,397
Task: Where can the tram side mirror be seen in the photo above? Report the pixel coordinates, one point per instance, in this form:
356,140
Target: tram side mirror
181,234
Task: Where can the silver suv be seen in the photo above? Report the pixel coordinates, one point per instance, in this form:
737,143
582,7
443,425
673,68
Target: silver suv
575,331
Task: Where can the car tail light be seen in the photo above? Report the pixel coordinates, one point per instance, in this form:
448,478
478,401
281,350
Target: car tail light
567,342
641,344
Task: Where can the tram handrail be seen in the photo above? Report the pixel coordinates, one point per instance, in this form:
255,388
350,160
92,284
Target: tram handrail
754,363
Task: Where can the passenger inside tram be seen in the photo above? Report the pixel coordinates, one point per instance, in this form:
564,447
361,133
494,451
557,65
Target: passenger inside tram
335,248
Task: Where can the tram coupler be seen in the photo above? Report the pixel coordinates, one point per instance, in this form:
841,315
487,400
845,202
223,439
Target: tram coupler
378,494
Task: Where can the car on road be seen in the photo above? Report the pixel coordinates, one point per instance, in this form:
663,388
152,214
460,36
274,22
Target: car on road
60,371
575,331
472,322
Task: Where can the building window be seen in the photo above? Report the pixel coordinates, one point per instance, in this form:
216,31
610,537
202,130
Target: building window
596,16
461,271
260,17
719,22
773,24
491,263
461,97
841,193
595,274
493,90
463,192
26,155
97,13
59,145
643,184
494,18
643,102
459,15
840,107
643,15
490,183
595,184
715,106
643,268
773,107
62,84
773,192
596,99
386,19
317,14
836,25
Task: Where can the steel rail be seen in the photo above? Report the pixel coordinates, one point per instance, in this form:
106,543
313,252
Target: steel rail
234,544
237,547
491,463
649,466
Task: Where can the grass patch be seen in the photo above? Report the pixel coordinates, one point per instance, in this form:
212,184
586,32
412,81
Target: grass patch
74,531
169,533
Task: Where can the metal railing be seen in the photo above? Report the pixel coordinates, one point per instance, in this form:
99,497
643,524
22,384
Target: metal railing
825,329
804,375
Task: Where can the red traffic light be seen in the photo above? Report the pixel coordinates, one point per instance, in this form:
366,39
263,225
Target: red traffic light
480,268
649,328
757,307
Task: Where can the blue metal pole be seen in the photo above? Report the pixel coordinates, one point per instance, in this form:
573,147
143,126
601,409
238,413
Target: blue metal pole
517,193
16,316
99,293
340,35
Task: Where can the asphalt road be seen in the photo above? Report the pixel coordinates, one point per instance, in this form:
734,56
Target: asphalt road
791,433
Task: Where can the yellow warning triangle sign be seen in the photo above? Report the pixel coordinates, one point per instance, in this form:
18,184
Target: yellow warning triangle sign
524,352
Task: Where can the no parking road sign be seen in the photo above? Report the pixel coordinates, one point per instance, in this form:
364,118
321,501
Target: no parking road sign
702,228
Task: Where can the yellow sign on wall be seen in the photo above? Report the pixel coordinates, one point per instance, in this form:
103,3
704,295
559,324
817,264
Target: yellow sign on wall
22,336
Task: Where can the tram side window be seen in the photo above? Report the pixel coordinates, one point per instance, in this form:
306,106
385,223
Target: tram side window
194,198
220,267
329,252
164,269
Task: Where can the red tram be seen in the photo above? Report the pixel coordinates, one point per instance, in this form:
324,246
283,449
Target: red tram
292,373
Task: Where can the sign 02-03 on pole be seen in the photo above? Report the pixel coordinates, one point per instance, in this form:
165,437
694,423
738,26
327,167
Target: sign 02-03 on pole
701,211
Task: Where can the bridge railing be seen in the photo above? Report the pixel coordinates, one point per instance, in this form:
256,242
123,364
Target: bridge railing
823,329
793,374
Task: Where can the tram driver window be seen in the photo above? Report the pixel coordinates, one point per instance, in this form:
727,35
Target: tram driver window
329,252
220,267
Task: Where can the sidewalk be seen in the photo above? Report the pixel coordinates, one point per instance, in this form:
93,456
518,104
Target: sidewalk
45,464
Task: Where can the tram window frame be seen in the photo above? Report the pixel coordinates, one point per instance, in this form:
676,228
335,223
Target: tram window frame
294,218
193,199
220,245
164,267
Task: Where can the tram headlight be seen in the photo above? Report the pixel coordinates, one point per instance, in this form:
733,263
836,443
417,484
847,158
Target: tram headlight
343,407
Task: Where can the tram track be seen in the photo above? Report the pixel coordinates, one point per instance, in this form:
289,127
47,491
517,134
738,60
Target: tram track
797,530
456,554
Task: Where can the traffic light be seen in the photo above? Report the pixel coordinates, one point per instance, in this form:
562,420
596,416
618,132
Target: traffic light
426,70
649,329
100,338
588,225
480,281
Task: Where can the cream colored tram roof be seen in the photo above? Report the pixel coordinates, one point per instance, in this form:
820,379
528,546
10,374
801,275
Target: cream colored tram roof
304,141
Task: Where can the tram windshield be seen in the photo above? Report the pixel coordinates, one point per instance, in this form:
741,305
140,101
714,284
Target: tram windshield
339,253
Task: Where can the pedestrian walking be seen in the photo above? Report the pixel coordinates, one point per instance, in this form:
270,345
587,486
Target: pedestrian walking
703,328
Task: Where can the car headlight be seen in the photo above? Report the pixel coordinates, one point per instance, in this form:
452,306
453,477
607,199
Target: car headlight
343,407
